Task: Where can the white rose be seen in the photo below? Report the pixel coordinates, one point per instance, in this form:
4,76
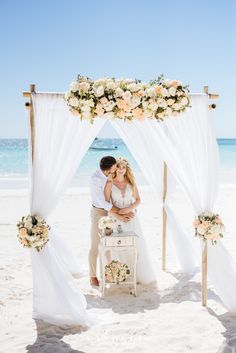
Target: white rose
150,92
163,104
176,106
109,106
153,106
145,105
172,91
184,101
68,95
28,225
74,86
168,111
85,108
39,219
99,91
127,95
84,86
201,230
119,92
74,102
111,85
133,87
135,101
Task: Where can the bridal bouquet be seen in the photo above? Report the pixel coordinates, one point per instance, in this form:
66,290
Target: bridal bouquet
208,226
33,232
107,225
127,99
116,272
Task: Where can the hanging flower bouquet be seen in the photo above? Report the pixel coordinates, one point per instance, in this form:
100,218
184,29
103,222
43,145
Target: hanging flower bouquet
208,226
33,232
116,272
107,225
127,99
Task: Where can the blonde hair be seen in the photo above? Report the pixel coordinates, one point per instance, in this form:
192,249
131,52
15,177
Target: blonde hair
129,173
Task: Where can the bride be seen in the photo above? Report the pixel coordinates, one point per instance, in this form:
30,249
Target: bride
122,191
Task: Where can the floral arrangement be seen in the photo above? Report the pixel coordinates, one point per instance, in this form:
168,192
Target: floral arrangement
116,272
107,223
127,99
33,232
208,226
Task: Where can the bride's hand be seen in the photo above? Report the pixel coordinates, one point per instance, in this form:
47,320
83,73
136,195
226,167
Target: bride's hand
125,210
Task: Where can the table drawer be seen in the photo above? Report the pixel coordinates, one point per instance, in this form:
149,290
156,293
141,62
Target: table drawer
118,241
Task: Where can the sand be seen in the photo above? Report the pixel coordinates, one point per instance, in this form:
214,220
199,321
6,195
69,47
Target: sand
170,319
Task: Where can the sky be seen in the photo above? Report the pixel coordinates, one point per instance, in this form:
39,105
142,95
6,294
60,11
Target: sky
50,42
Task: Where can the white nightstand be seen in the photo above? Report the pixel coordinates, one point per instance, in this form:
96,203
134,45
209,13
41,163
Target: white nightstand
125,242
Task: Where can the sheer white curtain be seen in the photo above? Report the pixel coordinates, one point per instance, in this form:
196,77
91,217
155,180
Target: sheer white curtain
150,159
189,147
61,140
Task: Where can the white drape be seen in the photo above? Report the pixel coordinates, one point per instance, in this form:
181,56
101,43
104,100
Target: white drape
189,147
145,149
60,143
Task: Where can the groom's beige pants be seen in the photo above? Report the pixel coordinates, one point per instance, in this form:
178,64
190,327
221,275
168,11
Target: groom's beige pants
96,214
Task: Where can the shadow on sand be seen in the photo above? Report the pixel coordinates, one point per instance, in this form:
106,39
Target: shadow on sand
50,338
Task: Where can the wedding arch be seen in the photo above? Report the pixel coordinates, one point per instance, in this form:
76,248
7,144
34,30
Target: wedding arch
182,150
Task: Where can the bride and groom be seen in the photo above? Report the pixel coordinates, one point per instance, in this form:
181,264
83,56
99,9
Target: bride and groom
114,192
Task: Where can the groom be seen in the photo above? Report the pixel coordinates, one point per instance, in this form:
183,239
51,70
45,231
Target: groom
100,208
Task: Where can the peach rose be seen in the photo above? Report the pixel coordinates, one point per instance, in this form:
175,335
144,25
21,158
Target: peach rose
104,100
75,113
121,113
218,220
138,113
23,232
175,83
24,242
196,223
45,231
99,110
122,105
158,90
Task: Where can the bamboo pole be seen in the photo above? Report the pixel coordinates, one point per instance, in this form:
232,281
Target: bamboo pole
204,275
164,219
32,131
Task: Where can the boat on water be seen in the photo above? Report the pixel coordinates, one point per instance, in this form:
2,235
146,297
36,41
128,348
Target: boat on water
102,145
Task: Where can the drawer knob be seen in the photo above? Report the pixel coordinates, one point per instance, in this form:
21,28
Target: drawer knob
119,242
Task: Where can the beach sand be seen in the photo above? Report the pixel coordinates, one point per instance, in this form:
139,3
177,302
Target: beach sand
168,320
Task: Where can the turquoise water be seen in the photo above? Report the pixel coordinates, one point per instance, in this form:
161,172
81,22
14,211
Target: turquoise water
14,161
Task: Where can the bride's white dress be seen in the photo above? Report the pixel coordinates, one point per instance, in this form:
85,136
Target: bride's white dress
145,270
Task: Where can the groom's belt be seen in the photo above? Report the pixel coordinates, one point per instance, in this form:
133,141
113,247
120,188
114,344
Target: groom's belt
98,208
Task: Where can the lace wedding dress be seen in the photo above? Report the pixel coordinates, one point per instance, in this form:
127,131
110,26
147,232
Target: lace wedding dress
145,271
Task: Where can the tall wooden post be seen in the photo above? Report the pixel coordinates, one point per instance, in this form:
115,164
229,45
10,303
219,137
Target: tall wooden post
32,131
164,218
204,274
204,256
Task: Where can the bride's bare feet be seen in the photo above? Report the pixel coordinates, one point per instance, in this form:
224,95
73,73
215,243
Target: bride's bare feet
94,281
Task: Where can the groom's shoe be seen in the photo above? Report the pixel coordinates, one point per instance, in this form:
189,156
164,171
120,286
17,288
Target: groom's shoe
94,281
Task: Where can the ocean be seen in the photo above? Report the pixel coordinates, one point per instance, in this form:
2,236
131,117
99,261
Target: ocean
14,162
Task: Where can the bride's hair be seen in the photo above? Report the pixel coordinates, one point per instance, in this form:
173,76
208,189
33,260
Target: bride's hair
129,173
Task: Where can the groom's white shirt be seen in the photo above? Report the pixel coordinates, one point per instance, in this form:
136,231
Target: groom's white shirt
97,185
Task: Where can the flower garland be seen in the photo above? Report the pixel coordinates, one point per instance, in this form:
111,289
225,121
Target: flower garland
116,272
127,99
33,232
208,226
